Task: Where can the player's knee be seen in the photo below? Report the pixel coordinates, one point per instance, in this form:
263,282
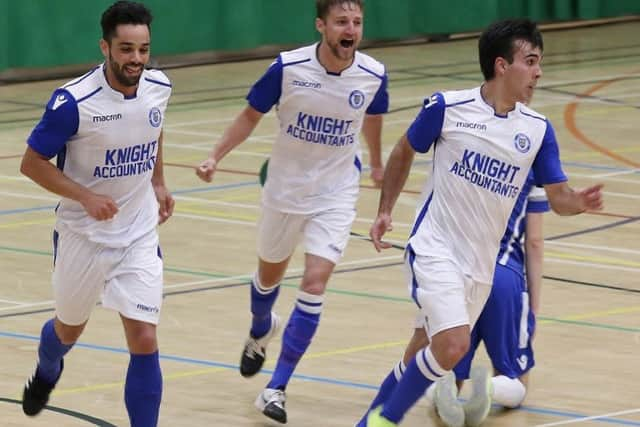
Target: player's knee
449,349
142,339
68,334
508,392
313,287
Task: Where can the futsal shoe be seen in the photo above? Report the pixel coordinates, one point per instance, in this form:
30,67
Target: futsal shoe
446,402
376,420
36,393
255,349
479,404
271,403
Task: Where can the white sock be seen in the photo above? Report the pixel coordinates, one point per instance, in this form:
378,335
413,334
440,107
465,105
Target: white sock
430,393
508,392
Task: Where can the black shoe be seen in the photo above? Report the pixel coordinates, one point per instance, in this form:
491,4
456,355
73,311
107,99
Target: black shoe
271,403
36,393
255,350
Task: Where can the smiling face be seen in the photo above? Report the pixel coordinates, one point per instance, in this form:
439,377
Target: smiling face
341,31
126,55
522,74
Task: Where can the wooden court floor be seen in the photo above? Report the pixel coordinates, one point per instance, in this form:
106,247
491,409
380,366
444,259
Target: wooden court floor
588,338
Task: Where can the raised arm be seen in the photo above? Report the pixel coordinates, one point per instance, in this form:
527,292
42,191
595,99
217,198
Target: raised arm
233,136
372,131
566,201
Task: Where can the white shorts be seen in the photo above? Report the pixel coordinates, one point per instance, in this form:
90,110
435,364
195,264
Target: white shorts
445,296
129,280
325,233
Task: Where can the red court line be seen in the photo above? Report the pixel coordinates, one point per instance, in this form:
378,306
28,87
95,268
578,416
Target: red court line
570,122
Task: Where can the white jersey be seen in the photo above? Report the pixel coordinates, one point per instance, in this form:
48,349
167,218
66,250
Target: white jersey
532,199
316,161
109,144
481,162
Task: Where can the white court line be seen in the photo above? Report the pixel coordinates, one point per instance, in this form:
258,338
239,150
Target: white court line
194,133
591,264
289,271
207,149
12,302
607,178
623,195
600,248
594,417
200,122
216,202
257,207
27,305
363,261
29,196
14,178
617,173
214,219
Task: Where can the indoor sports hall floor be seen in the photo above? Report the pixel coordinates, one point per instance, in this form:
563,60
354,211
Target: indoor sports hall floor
588,339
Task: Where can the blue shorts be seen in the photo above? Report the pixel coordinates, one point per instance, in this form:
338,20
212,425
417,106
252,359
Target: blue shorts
506,325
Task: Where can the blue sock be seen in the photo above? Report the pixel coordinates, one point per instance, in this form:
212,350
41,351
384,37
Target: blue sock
143,389
297,336
420,373
50,353
262,301
385,390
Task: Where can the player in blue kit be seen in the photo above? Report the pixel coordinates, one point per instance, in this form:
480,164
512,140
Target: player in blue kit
486,141
325,95
507,322
105,128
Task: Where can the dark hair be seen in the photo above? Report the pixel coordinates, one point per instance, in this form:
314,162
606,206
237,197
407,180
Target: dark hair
499,41
124,12
323,6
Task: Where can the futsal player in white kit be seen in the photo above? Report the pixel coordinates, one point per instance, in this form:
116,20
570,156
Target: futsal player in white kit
105,128
485,141
507,322
325,95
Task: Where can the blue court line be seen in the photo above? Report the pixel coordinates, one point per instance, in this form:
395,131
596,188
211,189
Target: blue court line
188,360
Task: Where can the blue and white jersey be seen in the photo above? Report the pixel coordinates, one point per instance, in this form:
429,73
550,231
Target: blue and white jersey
316,160
107,143
532,199
481,162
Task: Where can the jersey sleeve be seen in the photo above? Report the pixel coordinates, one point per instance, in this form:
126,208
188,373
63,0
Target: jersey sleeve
266,92
427,126
547,168
59,123
380,103
537,201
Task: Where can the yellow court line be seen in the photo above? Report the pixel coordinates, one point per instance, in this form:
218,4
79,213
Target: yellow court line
354,349
595,314
106,386
593,259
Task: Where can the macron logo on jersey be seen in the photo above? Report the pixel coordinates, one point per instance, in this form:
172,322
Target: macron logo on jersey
484,171
107,118
466,125
60,100
301,83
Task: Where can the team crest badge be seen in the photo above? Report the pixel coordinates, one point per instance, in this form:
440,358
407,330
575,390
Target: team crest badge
155,117
356,99
522,142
